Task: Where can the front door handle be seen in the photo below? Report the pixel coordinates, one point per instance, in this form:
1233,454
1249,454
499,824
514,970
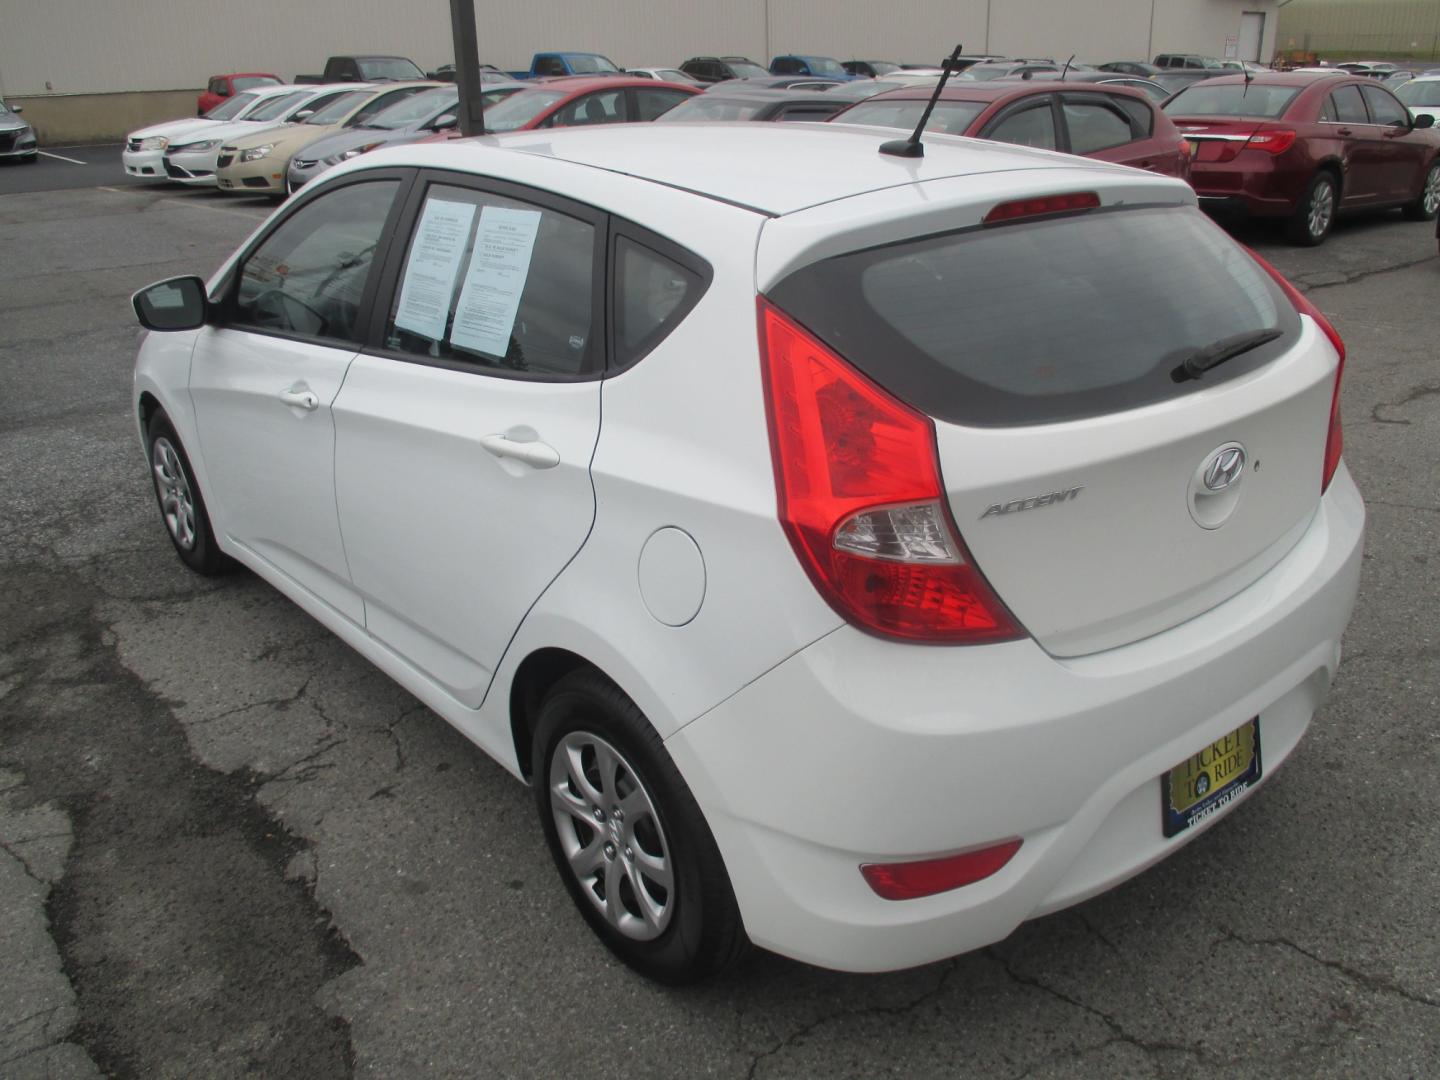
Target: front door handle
1344,131
537,455
301,399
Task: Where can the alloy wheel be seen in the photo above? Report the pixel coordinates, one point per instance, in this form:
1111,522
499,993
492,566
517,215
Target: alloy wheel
177,504
1431,197
611,836
1322,208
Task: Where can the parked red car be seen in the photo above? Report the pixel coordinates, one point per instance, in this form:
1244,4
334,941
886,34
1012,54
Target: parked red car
221,87
1305,147
581,99
1098,120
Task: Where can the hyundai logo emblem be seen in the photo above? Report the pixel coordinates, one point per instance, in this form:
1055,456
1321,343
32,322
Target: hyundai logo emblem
1225,468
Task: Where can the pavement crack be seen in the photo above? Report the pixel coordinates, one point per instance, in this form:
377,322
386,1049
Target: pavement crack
278,703
1361,275
1375,983
795,1036
6,847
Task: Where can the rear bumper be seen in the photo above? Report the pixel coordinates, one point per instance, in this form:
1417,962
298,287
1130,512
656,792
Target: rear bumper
858,750
1257,183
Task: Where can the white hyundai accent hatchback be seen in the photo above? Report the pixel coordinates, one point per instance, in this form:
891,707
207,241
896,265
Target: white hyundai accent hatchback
859,555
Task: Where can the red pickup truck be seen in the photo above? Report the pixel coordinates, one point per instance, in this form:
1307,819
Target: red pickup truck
221,87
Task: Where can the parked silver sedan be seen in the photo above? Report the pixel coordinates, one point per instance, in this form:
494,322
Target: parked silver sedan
410,120
17,138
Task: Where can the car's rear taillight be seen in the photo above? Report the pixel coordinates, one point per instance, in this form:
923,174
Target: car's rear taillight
1272,141
926,877
1335,441
861,501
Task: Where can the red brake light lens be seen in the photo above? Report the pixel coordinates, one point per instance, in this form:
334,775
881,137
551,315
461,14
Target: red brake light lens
861,501
1042,206
1274,141
1335,441
911,880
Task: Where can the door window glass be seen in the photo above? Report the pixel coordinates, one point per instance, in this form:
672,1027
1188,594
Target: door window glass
308,276
217,86
1032,126
381,102
653,294
651,103
605,107
1095,126
1384,109
1350,106
497,284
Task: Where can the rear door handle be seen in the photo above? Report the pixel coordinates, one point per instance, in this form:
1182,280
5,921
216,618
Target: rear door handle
301,399
1344,131
537,455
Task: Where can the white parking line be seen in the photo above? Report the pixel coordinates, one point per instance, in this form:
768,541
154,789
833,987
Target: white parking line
62,157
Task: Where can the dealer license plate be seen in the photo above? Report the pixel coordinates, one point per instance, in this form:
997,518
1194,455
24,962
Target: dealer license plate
1215,777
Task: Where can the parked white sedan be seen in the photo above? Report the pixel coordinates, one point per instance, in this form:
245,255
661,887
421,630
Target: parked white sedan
918,576
144,153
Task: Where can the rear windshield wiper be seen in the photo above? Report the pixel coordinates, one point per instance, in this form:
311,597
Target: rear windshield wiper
1213,355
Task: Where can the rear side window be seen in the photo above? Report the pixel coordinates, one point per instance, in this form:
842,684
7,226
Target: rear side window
651,103
1095,125
496,284
949,117
1033,125
1042,321
653,292
605,107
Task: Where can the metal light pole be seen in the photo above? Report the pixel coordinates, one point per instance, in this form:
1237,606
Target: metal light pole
471,115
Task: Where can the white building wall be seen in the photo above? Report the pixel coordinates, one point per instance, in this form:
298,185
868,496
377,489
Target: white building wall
81,46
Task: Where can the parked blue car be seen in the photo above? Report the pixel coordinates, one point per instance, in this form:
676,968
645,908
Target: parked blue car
551,64
824,67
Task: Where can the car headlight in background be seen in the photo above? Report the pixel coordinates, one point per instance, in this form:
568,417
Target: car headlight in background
155,142
346,155
195,147
255,153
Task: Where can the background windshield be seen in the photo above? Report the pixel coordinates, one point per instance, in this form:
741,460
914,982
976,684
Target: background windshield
392,67
1424,95
249,82
340,108
711,107
414,110
519,109
1237,99
231,107
748,71
277,106
590,65
823,65
949,117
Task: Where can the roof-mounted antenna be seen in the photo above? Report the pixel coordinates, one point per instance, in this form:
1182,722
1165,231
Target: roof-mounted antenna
913,147
1066,69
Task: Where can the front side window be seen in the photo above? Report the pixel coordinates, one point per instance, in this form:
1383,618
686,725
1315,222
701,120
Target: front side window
217,86
494,284
1095,125
1384,109
520,109
308,276
549,65
1033,125
605,107
787,66
381,102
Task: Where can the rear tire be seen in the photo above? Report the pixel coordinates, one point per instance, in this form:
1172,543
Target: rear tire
1315,215
182,507
1427,203
649,879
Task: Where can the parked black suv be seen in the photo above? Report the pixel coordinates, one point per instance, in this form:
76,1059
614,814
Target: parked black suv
714,69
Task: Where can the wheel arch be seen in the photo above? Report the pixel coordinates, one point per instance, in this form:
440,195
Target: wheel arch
534,677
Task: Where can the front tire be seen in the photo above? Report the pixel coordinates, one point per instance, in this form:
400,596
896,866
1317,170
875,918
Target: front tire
1427,203
627,836
1315,215
182,507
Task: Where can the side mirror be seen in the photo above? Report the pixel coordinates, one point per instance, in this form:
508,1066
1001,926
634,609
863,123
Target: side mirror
1424,120
16,108
177,304
302,115
445,123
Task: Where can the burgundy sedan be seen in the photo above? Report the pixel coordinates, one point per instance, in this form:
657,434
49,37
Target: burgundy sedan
1098,120
1305,147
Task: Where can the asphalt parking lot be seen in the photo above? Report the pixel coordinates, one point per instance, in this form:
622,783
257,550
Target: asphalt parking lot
230,846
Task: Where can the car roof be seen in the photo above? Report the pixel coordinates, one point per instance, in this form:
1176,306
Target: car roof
582,84
1299,79
736,89
734,163
993,89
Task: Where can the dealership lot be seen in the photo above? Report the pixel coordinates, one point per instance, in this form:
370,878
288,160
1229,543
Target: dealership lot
260,853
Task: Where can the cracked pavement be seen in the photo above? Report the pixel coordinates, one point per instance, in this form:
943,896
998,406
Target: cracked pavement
229,846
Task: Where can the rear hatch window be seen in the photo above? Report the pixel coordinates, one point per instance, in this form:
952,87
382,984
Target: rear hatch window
1232,99
1043,321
